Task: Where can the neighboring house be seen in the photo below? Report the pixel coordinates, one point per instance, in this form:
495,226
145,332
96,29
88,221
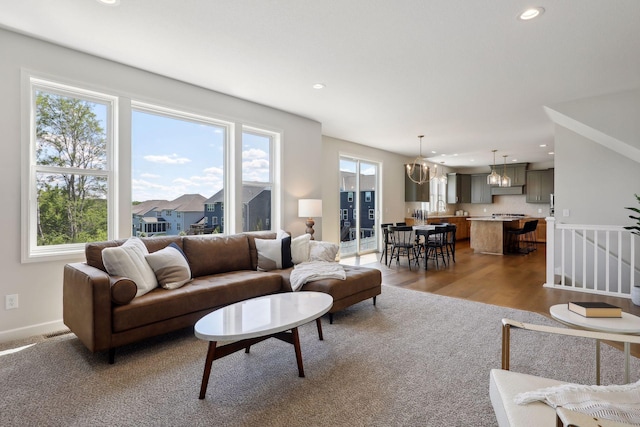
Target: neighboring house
256,209
348,210
162,217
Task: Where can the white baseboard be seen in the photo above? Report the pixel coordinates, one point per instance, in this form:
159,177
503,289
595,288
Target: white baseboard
32,330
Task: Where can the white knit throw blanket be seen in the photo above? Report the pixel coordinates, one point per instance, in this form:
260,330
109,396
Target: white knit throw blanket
614,402
315,270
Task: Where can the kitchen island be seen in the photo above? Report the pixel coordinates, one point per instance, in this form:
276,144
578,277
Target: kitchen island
489,234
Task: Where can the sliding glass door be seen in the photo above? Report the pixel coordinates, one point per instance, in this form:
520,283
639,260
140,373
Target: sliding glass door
358,206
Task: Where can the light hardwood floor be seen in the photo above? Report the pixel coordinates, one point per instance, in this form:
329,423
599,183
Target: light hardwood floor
510,281
513,281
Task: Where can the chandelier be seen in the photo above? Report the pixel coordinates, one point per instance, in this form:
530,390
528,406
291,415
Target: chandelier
505,181
418,171
494,178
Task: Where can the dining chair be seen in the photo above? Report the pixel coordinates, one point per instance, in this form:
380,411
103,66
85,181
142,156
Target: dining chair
451,241
402,239
435,245
386,244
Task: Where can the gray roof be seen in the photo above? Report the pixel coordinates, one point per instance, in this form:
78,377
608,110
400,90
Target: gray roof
248,194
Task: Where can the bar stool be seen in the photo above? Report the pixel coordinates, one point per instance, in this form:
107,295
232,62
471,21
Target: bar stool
516,236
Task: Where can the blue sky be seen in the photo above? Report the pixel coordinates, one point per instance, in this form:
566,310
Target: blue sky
172,157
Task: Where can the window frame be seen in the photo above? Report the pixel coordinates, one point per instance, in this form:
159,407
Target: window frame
31,83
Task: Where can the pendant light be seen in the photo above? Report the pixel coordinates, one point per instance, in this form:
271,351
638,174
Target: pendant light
418,171
505,181
442,178
494,177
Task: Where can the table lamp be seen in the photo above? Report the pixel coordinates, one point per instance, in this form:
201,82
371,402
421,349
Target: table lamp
310,208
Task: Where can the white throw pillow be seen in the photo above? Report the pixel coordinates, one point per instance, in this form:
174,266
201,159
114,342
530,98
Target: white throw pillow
322,251
300,248
170,266
129,261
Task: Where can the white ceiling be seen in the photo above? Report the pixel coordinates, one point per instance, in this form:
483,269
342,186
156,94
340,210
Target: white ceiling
466,74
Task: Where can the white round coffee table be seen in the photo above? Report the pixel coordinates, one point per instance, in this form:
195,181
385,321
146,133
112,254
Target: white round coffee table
627,324
257,319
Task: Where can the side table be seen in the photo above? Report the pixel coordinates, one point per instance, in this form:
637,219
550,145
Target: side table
627,324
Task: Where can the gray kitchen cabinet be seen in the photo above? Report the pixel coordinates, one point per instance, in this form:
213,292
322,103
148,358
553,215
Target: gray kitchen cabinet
415,192
480,190
518,174
458,188
539,186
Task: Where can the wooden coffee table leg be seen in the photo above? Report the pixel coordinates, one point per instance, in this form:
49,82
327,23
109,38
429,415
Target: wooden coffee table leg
211,353
296,345
319,325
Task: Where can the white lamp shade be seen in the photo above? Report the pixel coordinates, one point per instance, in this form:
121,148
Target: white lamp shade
310,208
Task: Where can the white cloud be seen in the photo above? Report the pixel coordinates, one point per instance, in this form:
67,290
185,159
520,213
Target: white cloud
167,159
254,153
149,175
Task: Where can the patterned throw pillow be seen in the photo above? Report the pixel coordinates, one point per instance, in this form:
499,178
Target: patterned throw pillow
274,254
322,251
129,261
170,266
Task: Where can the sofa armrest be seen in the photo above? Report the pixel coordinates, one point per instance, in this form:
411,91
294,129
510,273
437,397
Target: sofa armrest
86,305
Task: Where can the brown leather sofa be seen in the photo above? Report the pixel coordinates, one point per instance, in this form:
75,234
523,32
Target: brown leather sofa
102,312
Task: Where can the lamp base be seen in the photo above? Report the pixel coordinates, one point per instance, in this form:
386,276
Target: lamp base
310,223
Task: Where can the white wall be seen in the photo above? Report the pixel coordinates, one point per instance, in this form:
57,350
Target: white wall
39,285
392,182
592,182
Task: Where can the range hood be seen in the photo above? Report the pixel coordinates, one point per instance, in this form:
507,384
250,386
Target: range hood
507,191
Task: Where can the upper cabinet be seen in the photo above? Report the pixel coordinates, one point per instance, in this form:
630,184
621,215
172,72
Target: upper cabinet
458,188
480,190
415,192
539,186
518,174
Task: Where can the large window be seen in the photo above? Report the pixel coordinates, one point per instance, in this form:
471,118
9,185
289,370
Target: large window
177,162
257,179
68,169
184,169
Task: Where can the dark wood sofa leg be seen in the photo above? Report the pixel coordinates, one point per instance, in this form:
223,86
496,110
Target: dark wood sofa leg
331,318
112,356
374,300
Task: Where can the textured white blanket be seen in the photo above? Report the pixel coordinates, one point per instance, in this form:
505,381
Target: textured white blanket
315,270
614,402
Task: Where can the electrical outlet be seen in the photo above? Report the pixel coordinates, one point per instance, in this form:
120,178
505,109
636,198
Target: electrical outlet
566,212
539,210
11,301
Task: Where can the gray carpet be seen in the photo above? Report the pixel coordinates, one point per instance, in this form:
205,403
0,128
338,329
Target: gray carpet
415,359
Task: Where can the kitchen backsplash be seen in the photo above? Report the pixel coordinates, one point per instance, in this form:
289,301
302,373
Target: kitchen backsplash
501,204
505,204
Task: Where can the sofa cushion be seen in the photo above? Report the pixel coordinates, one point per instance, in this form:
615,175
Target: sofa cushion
274,254
322,251
93,250
208,292
505,385
300,248
358,279
214,254
253,252
123,290
129,261
170,266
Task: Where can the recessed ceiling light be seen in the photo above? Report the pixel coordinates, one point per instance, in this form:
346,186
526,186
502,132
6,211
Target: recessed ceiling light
319,86
551,153
543,145
109,2
514,160
531,13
